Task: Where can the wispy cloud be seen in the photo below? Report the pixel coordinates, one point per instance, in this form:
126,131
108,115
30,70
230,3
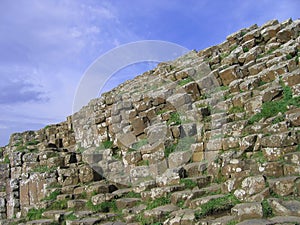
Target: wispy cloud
19,91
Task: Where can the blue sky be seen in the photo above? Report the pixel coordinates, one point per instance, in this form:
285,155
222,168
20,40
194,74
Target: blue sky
46,46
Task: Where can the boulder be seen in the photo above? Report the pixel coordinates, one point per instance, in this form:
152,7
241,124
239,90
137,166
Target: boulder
170,177
283,186
247,211
249,187
177,159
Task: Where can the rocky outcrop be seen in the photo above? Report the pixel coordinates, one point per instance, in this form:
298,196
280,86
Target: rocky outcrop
209,138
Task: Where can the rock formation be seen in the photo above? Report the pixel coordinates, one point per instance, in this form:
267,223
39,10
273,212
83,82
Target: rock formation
209,138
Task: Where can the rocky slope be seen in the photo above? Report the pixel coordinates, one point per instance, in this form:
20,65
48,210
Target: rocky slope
209,138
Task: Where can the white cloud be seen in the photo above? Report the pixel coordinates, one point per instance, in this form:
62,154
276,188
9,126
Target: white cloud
3,126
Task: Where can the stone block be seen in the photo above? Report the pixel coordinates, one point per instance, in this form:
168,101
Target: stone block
138,126
283,186
228,75
249,187
180,158
170,177
127,203
248,211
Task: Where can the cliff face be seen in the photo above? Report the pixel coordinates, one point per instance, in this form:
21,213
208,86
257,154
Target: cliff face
209,138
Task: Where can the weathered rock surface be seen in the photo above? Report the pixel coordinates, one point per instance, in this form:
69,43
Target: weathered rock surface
209,138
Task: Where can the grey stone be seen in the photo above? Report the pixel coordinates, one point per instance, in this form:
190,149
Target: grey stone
248,211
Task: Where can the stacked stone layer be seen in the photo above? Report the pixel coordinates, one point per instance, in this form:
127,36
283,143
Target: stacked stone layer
209,138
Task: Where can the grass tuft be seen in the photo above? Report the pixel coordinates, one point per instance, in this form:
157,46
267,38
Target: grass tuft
169,149
158,202
216,206
236,109
267,210
185,81
53,195
35,214
174,119
271,109
188,183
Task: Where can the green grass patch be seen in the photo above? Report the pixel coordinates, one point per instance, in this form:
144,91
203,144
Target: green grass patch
59,205
266,53
188,183
54,185
132,194
35,214
243,33
219,179
217,205
271,109
117,154
278,119
180,204
80,150
259,157
131,150
169,149
53,195
185,81
22,148
174,119
224,55
145,221
159,112
33,142
233,47
82,195
228,96
18,143
233,222
6,160
105,145
236,109
143,163
43,169
158,202
201,105
289,56
221,88
261,83
267,209
245,49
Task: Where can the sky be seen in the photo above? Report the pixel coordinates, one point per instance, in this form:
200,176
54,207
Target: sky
46,46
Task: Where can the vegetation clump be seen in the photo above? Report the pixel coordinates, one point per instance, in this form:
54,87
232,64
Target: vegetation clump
267,210
271,109
35,214
188,183
158,202
174,119
217,205
185,81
